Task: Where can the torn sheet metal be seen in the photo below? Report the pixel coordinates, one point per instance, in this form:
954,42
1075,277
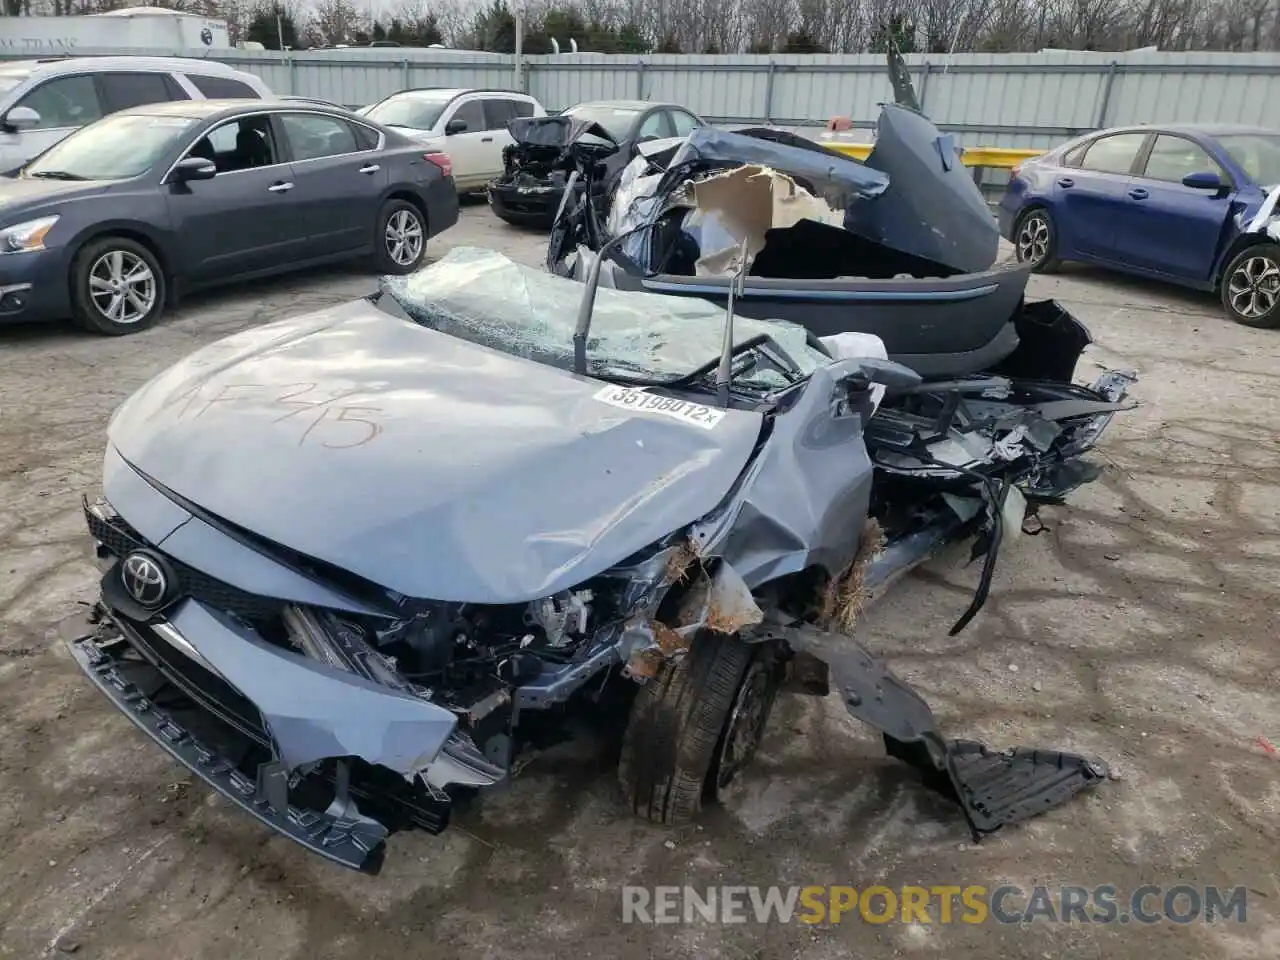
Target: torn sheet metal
635,200
314,711
741,205
932,208
720,602
839,179
557,131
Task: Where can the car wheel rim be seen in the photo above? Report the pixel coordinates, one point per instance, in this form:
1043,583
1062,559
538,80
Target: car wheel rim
1033,239
122,287
1253,287
745,730
404,238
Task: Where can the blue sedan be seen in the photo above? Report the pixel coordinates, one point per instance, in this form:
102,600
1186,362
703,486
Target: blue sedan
1194,204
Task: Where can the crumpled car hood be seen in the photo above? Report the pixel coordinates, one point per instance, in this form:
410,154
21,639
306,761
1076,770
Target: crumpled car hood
839,178
435,467
555,131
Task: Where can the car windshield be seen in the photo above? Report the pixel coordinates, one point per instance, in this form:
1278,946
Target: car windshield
417,111
114,148
1257,153
483,297
616,121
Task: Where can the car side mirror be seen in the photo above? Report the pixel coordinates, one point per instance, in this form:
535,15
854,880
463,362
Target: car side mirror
862,372
1203,180
455,126
21,118
194,168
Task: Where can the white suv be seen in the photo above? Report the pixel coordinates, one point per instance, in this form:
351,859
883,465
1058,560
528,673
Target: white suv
469,125
42,101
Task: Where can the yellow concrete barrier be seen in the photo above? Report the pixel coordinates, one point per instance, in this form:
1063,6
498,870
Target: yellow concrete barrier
1000,157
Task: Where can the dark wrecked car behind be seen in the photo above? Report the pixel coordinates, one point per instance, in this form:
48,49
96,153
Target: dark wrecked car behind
530,189
349,557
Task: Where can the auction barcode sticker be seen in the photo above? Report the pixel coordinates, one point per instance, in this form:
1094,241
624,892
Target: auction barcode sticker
642,401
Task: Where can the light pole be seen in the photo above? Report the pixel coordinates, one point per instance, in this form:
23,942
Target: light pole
519,13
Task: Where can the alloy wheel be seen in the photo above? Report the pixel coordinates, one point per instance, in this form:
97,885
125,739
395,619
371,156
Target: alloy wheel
1033,239
1253,287
404,237
122,287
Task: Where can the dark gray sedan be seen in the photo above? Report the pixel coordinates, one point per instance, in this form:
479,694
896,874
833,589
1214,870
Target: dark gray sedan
116,220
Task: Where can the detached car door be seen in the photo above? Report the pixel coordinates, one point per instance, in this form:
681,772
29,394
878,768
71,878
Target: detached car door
338,180
245,220
1093,193
1168,227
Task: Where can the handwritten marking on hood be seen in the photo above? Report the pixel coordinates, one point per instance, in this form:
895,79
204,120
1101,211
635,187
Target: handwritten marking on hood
642,401
341,425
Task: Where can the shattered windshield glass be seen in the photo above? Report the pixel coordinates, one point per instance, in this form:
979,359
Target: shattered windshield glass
481,296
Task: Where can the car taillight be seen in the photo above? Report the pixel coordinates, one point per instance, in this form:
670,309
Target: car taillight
443,161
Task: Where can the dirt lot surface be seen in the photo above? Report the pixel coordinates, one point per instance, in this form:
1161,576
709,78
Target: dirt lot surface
1141,627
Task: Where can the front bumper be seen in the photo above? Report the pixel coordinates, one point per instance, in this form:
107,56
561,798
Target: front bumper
34,286
215,750
324,757
525,206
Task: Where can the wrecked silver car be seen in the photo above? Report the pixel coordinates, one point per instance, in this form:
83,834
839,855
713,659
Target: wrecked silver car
350,556
902,245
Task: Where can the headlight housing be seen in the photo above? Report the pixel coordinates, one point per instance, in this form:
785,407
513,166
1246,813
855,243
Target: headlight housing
26,236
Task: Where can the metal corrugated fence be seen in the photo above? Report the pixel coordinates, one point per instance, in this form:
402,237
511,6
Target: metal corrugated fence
1006,100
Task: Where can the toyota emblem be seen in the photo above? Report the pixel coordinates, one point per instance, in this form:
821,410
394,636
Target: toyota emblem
145,580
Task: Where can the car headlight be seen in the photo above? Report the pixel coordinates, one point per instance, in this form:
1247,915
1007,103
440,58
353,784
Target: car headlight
22,237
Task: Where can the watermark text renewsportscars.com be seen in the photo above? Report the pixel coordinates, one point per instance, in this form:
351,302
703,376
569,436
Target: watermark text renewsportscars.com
937,904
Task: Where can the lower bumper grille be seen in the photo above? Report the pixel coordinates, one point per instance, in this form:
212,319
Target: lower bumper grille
215,731
215,756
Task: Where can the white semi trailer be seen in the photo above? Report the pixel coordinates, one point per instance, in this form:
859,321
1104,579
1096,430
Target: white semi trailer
142,29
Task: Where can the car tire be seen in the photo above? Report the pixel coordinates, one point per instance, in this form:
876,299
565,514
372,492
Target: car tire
1035,241
401,238
692,727
117,287
1250,287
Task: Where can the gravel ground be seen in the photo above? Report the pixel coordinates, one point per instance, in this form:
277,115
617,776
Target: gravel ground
1140,627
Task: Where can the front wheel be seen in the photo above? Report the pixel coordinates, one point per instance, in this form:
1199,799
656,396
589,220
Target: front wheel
401,239
696,725
117,287
1035,241
1251,286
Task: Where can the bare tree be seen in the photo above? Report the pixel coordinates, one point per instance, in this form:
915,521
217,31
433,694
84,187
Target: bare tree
336,21
841,26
